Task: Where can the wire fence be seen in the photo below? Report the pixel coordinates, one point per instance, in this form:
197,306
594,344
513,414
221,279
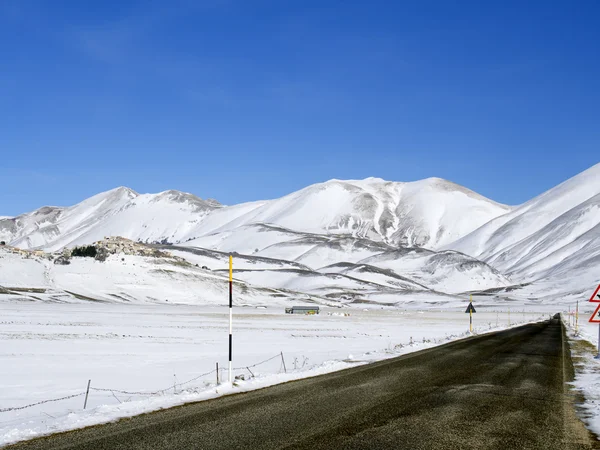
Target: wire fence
258,364
31,405
172,388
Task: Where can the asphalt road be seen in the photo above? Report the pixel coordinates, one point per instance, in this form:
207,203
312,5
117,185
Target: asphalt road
498,391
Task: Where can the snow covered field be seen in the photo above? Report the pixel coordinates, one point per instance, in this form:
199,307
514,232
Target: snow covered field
138,353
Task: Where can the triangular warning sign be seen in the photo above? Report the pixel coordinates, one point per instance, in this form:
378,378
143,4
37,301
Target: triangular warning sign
596,316
596,295
470,308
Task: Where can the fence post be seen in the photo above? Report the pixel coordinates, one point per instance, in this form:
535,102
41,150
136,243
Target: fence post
283,361
217,374
87,392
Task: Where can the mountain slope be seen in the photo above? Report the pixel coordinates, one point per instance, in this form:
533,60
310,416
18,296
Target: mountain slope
355,239
539,234
552,241
121,211
125,278
427,213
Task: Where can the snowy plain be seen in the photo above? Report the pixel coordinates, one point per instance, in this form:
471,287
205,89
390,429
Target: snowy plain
145,355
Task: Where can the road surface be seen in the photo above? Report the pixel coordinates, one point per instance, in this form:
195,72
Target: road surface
503,390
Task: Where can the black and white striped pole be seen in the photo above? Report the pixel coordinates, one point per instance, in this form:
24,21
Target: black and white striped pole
230,316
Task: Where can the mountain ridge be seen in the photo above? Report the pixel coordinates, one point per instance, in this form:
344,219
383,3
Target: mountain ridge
429,234
372,208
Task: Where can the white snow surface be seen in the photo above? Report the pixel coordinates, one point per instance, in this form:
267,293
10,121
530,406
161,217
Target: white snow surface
201,278
127,279
19,272
443,271
150,357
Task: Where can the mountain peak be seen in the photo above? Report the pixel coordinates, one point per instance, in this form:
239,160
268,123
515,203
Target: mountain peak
185,197
123,190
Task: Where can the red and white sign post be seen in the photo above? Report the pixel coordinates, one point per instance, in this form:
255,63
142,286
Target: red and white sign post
595,298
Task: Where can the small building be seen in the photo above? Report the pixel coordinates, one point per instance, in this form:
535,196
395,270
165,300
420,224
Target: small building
302,310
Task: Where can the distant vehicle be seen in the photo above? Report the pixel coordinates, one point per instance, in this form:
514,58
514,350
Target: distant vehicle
310,310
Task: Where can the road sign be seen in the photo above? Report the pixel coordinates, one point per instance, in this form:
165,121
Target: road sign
595,298
470,308
596,316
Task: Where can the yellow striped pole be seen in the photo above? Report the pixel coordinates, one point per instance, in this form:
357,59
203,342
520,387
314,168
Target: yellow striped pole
230,317
470,314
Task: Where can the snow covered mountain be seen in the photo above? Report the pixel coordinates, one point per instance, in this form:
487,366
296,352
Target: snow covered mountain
339,240
554,238
427,213
121,211
356,240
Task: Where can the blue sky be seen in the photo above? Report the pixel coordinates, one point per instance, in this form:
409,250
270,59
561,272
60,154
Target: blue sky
253,99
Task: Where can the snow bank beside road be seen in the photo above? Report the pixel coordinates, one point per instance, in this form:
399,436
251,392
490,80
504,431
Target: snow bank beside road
584,349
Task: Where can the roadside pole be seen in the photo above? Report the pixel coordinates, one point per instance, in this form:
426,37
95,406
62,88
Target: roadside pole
577,318
471,321
230,317
470,310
